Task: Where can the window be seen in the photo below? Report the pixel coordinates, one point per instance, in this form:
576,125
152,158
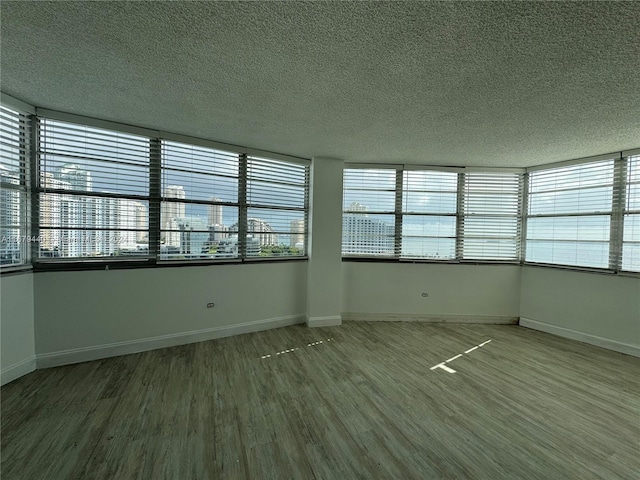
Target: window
276,215
490,217
569,214
93,191
429,206
368,219
415,213
631,235
199,206
14,214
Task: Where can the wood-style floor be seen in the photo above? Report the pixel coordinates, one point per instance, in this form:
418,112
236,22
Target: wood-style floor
363,404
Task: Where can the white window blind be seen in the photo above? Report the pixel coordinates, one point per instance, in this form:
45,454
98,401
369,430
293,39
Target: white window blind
429,207
631,232
93,192
491,216
276,215
569,215
199,202
14,212
368,218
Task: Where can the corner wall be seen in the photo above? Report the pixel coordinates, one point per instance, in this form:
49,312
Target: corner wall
18,356
127,311
602,310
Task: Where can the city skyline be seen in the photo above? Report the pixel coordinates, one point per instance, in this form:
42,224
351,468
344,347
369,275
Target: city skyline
79,224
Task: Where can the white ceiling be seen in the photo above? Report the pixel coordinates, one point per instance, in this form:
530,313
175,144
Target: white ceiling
441,83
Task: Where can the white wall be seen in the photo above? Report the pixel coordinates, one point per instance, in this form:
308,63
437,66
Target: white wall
92,314
17,356
456,292
599,309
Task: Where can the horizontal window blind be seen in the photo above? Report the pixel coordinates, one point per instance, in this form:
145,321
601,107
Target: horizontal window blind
569,215
93,192
369,205
14,211
199,202
276,216
631,218
491,216
429,207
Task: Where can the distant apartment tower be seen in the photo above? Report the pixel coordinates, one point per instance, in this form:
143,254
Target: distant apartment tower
194,235
142,223
296,240
217,233
77,215
82,226
50,205
214,216
265,235
362,234
169,212
11,242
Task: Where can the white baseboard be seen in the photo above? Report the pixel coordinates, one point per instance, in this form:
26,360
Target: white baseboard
77,355
404,317
17,370
581,337
332,321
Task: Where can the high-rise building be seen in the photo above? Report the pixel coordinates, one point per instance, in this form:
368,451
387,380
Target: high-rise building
297,234
215,212
169,212
193,235
362,234
77,178
10,241
142,222
50,209
263,230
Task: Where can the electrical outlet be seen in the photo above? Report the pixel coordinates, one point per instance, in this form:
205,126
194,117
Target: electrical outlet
211,305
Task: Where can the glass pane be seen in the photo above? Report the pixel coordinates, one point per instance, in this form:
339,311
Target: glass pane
73,243
584,254
430,248
87,159
429,192
369,190
87,226
569,228
429,202
193,231
366,234
632,228
273,194
428,226
476,248
572,177
631,257
593,199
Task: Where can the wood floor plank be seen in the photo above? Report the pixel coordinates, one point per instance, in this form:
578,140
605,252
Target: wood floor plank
358,401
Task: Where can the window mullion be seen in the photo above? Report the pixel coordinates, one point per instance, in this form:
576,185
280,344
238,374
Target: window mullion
155,196
32,185
523,214
460,199
397,240
242,204
617,213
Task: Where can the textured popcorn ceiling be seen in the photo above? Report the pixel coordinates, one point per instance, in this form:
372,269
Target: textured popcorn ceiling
475,83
